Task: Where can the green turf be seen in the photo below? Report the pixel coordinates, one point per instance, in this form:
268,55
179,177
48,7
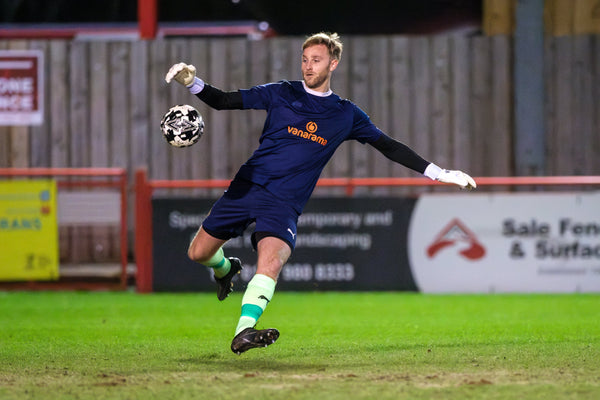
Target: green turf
332,346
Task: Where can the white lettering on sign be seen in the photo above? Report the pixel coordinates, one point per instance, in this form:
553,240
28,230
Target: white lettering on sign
16,102
16,85
181,220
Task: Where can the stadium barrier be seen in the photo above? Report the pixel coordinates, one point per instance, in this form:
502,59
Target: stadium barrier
144,189
114,179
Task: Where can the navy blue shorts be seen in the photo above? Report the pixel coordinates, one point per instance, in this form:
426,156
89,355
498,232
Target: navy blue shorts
244,203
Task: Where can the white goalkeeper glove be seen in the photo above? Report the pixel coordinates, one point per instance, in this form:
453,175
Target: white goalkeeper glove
186,75
458,178
450,176
182,73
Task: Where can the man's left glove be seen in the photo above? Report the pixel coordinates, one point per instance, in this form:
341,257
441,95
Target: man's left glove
458,178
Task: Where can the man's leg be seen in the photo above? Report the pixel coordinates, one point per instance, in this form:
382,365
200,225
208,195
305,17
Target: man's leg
272,255
208,250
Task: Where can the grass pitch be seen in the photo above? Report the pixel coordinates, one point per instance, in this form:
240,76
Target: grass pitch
69,345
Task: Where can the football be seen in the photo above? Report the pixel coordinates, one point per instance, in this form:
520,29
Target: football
182,125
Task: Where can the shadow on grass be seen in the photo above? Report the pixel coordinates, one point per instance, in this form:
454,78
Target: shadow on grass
240,364
349,355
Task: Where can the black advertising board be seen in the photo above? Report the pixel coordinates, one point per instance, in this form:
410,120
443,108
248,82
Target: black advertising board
342,244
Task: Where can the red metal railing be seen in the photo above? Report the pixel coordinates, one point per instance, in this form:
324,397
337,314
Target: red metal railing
114,178
144,189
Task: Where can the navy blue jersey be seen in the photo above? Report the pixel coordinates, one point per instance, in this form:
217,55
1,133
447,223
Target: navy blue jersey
300,135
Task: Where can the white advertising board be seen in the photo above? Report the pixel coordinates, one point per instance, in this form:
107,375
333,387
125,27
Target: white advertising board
509,242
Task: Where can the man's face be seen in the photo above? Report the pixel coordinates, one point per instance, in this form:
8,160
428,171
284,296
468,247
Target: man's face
317,67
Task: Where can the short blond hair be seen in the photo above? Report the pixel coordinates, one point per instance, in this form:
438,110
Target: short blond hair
331,40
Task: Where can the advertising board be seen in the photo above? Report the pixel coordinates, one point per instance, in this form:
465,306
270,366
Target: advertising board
342,244
28,230
438,243
21,87
517,242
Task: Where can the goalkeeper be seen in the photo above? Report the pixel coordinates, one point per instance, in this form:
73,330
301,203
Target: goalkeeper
305,124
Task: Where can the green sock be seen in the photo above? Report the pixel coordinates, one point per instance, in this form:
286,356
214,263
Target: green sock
219,263
258,294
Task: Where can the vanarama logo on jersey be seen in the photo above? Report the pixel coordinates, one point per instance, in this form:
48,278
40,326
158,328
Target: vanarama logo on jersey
309,133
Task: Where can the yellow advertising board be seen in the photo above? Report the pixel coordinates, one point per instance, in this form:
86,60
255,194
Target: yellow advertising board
28,230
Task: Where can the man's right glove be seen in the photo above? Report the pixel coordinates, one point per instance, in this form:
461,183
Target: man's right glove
456,177
183,73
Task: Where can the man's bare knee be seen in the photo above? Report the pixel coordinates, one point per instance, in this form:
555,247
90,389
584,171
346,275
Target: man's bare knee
198,254
193,255
203,247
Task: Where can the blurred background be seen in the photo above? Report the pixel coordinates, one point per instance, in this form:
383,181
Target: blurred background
497,88
284,17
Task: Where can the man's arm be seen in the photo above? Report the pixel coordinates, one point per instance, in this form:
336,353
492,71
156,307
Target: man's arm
220,100
216,98
402,154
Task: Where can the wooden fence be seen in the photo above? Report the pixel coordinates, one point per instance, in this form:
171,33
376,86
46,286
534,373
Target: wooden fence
448,97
